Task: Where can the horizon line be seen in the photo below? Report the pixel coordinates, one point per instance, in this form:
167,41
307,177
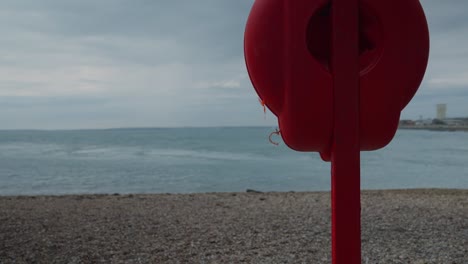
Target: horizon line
130,127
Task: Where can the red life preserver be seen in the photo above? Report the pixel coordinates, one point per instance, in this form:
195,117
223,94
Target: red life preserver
287,52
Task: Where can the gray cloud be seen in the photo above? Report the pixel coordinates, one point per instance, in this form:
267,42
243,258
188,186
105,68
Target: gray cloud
119,63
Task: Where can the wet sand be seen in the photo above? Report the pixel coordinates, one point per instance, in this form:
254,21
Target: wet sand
401,226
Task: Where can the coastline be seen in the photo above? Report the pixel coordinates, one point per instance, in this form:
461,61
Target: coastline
436,128
398,226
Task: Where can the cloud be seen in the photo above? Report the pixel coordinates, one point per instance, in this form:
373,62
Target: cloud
452,81
118,63
220,84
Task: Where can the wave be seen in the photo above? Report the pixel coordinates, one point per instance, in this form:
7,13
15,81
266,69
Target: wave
118,152
205,154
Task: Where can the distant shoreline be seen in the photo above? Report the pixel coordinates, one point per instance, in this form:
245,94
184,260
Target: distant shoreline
426,127
436,128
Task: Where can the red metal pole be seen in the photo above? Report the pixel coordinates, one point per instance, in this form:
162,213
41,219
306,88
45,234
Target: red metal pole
346,209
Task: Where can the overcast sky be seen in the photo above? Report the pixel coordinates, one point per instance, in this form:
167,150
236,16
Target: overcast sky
151,63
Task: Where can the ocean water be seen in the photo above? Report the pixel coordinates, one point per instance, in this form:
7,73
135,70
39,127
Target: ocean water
186,160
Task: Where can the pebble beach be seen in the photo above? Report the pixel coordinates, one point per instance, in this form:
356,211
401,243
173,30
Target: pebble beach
398,226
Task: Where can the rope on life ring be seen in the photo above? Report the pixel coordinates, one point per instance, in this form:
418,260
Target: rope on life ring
277,132
264,107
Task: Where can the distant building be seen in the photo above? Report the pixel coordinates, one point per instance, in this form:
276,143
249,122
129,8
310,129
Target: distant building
407,122
457,121
424,122
441,111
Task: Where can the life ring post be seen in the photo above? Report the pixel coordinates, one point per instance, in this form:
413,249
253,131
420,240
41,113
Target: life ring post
345,156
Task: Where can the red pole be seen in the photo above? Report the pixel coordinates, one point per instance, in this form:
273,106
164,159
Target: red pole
346,209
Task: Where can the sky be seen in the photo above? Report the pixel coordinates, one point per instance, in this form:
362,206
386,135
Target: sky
67,64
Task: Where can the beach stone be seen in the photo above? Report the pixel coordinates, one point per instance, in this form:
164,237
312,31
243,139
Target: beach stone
398,226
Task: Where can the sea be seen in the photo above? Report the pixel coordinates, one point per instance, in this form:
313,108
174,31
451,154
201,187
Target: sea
217,159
